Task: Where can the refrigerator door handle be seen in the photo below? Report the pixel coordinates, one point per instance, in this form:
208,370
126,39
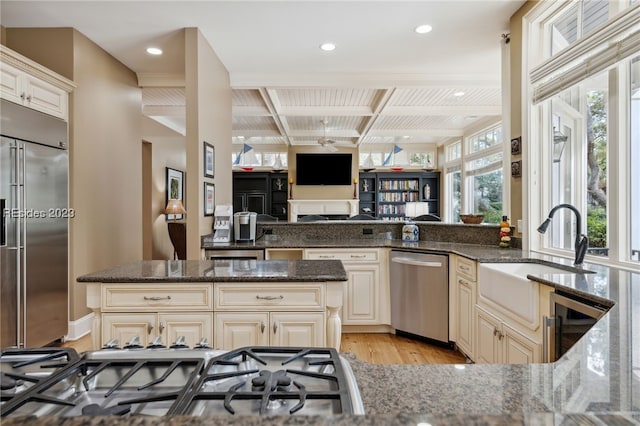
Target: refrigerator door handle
3,228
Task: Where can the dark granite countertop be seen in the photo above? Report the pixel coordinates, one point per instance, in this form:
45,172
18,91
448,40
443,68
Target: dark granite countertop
595,382
176,271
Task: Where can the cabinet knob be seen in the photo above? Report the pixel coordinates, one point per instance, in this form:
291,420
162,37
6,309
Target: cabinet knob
161,326
495,331
262,327
149,328
275,327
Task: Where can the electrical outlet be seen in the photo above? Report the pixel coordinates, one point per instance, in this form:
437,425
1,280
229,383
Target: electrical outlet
268,231
519,228
367,231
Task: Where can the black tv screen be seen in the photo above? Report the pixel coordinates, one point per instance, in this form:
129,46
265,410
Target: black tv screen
323,169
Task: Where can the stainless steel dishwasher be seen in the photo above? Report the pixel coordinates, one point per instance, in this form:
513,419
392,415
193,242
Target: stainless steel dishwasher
420,294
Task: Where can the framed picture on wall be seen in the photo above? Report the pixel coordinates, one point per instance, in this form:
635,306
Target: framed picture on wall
209,198
175,189
209,160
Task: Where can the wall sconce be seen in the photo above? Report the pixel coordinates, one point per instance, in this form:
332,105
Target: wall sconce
175,208
559,141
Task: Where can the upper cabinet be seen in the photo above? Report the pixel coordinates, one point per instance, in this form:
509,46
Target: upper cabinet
27,83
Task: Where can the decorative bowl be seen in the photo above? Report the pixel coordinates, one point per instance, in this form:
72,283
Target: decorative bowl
472,218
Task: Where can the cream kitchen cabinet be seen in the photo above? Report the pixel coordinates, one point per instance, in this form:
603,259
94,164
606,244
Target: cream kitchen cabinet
169,326
498,342
169,310
238,329
366,295
278,314
27,83
462,299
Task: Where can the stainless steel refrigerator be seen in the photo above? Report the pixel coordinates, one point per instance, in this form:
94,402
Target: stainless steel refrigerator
34,233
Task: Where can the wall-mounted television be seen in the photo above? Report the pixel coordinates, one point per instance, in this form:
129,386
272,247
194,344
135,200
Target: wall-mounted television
323,169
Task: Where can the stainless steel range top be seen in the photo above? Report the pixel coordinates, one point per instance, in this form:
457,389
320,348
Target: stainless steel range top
159,381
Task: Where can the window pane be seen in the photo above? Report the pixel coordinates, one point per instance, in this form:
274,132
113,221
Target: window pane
634,213
454,151
485,140
564,30
454,191
594,14
487,196
578,147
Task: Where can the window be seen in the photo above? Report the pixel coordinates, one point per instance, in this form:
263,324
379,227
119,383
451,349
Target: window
578,162
259,159
634,122
423,158
585,130
484,176
473,174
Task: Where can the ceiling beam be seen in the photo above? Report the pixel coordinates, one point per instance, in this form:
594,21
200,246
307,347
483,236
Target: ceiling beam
438,110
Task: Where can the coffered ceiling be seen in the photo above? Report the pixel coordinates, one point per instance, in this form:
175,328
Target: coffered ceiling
383,84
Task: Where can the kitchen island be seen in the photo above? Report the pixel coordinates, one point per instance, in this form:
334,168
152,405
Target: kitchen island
217,300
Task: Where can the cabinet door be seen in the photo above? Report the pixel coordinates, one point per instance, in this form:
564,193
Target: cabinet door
236,329
297,329
519,349
257,202
192,326
45,97
11,82
126,326
361,294
488,345
466,302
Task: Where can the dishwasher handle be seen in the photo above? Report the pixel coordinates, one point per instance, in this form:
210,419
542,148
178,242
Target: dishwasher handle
413,262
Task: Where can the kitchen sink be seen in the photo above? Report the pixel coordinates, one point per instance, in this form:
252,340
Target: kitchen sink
507,285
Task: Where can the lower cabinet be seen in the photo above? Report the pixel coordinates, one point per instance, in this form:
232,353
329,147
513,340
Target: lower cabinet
465,302
238,329
147,326
497,342
365,301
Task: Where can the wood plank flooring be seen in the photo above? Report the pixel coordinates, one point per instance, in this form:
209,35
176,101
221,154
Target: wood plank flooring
375,348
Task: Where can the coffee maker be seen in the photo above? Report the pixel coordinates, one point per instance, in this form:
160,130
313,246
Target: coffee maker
244,226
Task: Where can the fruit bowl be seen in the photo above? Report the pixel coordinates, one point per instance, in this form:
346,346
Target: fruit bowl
472,219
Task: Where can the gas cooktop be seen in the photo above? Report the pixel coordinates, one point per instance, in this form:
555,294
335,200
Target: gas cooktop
159,381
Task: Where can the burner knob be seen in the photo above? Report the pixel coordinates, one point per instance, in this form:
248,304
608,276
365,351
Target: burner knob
156,343
111,344
203,344
180,343
134,343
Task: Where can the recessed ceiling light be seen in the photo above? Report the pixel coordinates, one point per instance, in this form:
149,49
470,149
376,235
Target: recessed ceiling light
328,47
423,29
458,94
154,51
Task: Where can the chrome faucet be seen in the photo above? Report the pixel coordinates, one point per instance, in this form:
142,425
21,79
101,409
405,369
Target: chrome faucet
582,242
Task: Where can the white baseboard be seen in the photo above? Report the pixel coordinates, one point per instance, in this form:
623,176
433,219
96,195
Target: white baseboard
80,327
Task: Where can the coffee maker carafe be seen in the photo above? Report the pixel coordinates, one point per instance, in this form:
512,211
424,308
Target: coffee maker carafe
244,226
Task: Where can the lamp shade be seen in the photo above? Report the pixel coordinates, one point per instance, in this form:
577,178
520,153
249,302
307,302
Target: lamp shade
174,207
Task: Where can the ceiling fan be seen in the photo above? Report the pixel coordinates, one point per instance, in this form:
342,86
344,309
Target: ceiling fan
326,143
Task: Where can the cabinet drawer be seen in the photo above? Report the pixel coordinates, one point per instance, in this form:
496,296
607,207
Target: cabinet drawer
187,296
467,267
258,297
343,254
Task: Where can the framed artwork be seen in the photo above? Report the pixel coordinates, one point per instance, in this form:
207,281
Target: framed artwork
175,190
516,146
516,168
209,160
209,198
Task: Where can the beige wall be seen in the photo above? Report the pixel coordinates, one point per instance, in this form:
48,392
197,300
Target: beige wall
208,96
167,150
517,124
321,192
104,151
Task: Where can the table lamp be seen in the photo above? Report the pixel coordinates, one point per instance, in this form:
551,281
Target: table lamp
175,208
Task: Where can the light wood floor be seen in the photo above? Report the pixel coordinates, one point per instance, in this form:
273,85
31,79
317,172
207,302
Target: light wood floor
375,348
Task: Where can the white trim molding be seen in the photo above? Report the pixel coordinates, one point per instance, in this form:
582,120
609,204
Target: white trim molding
80,327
